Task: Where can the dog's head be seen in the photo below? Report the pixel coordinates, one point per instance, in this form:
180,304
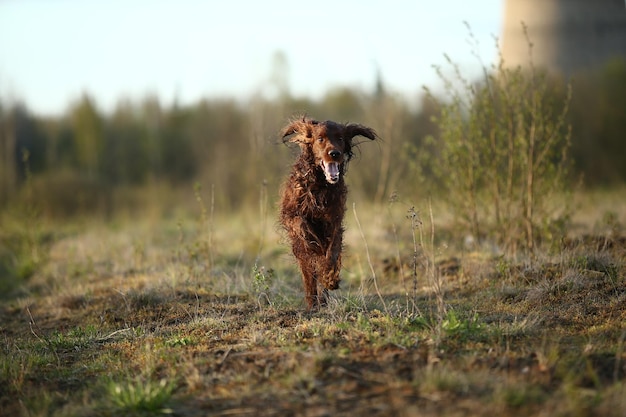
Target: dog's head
330,142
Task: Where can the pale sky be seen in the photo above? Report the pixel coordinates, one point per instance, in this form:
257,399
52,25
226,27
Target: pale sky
51,51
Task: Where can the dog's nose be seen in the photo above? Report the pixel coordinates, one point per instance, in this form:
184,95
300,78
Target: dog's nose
334,153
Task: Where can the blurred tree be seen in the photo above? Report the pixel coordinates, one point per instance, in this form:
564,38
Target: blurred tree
152,119
65,148
279,76
30,148
224,149
390,114
342,105
125,156
88,130
8,172
416,151
178,162
380,91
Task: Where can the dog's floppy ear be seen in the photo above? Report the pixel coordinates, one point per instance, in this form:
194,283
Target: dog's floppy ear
300,131
354,129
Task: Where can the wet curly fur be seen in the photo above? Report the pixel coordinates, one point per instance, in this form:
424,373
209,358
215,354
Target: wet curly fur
313,201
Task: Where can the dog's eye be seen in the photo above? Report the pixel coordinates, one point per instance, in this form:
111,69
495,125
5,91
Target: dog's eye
321,139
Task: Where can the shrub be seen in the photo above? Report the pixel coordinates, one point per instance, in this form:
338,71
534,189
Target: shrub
502,152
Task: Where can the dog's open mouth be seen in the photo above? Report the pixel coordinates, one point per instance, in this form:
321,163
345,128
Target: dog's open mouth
331,171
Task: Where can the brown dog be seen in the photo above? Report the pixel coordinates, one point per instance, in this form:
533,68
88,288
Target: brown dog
313,201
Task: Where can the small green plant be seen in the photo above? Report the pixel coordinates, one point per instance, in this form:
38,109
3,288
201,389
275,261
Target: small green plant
262,278
453,325
139,397
261,282
75,339
503,267
363,322
179,341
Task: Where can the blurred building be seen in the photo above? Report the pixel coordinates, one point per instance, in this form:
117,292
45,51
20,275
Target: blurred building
567,35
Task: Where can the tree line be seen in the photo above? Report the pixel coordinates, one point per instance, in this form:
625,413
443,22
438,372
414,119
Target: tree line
78,160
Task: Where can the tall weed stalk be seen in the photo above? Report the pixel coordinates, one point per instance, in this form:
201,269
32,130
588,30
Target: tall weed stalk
426,256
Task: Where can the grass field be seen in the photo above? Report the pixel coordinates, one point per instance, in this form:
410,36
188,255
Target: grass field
202,314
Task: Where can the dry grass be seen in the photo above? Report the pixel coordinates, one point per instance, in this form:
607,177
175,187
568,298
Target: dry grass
204,316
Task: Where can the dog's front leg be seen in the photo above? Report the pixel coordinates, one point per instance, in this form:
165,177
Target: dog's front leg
333,261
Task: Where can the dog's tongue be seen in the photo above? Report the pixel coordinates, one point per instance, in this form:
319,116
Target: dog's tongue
331,169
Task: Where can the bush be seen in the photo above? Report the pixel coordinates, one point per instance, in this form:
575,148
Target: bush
502,153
